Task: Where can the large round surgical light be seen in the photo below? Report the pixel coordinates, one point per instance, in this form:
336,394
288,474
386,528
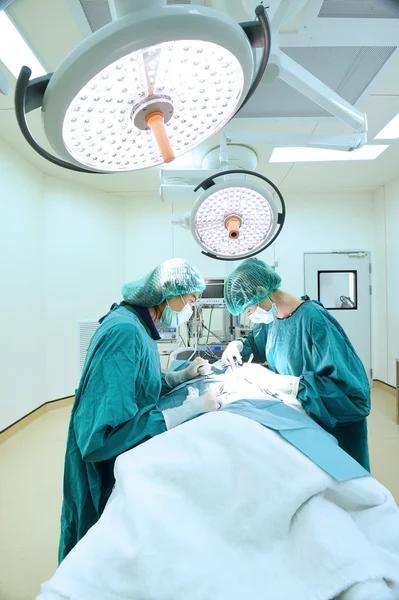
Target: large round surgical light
194,86
145,89
236,218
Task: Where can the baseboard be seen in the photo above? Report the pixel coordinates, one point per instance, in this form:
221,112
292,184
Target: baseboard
24,421
384,386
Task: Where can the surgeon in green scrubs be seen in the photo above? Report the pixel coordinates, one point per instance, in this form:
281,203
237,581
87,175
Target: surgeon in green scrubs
308,354
115,406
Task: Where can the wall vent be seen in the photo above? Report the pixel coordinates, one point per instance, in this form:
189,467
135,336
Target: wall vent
86,330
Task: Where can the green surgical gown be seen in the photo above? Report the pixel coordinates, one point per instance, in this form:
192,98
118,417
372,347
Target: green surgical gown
115,409
334,389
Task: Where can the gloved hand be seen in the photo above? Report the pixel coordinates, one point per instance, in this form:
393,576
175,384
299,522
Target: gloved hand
194,405
197,368
233,352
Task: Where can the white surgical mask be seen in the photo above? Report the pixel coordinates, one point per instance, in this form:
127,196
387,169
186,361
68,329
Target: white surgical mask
264,316
174,318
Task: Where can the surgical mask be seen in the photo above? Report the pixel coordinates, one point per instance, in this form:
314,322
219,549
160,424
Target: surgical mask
264,316
173,318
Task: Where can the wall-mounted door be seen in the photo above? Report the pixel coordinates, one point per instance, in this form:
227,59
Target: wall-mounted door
341,282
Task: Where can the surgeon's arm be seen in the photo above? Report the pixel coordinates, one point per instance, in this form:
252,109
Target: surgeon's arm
108,420
255,343
336,390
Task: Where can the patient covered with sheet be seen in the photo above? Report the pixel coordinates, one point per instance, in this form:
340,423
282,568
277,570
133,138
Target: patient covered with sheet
252,501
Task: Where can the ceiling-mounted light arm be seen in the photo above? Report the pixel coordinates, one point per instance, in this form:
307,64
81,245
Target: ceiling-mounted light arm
307,84
28,97
210,181
279,139
254,36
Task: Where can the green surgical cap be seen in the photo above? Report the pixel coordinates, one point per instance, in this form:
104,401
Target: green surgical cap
249,284
173,277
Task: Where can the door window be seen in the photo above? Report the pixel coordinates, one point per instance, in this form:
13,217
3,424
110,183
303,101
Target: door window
337,290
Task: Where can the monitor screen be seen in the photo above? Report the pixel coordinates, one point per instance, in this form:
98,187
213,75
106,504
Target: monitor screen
214,288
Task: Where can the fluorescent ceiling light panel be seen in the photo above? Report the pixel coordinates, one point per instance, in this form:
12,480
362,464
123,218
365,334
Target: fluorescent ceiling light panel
390,131
14,51
304,154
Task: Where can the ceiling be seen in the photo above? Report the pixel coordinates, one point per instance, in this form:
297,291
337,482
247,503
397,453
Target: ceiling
351,45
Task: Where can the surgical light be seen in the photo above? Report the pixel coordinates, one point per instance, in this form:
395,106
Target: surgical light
236,218
145,89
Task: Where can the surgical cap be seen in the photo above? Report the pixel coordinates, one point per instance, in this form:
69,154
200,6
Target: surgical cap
173,277
249,284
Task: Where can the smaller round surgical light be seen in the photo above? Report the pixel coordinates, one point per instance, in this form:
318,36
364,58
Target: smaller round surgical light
236,219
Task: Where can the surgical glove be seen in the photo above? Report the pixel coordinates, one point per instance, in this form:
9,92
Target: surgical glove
233,352
197,368
193,406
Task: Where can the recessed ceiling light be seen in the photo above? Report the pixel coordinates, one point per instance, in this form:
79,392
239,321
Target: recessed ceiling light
14,51
303,154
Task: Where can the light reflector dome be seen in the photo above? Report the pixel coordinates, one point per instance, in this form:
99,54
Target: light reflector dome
201,81
236,218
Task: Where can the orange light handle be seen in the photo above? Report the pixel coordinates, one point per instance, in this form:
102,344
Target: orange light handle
233,225
156,124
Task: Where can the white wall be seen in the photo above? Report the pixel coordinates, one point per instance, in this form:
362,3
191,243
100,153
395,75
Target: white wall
322,224
62,259
21,287
84,271
379,297
392,277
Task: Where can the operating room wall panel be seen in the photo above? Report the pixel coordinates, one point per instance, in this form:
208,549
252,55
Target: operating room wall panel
148,235
21,298
379,296
84,271
392,260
